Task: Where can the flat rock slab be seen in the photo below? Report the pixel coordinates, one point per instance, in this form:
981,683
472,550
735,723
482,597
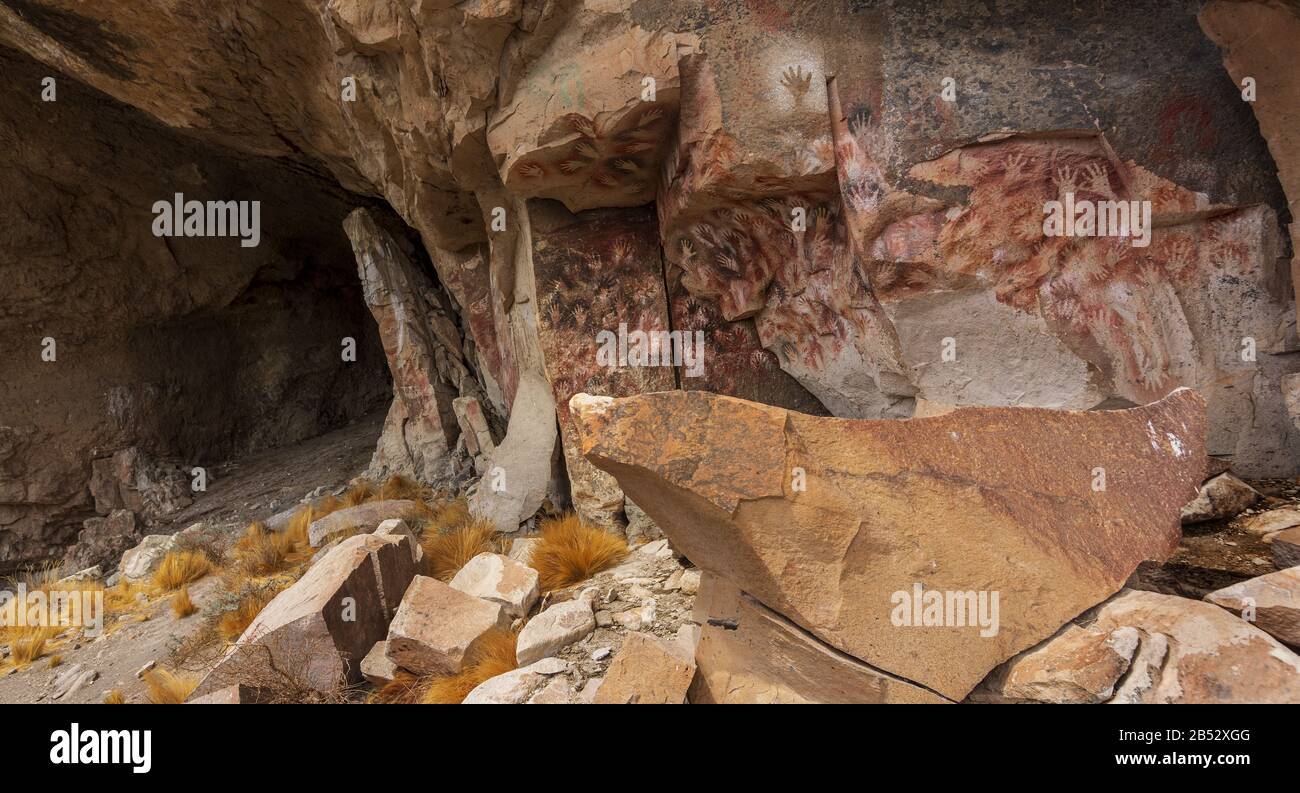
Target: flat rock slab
749,654
365,518
1271,602
1272,520
437,628
499,579
647,671
554,629
837,524
1194,652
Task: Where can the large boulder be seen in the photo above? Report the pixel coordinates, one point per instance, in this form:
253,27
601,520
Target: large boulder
437,628
866,532
1271,602
749,654
315,634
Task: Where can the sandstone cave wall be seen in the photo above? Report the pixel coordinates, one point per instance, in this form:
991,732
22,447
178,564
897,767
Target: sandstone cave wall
191,349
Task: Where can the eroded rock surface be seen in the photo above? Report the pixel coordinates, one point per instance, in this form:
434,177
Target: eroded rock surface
796,509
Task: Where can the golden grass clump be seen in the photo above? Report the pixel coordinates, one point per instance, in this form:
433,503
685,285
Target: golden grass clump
260,552
400,487
572,550
55,660
182,605
166,688
179,568
448,550
115,697
359,493
232,624
494,655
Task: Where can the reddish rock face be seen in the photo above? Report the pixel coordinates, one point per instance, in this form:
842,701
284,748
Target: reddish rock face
599,278
836,523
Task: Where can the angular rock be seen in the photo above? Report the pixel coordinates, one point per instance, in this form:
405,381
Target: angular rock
397,527
1210,656
521,548
102,541
978,504
364,518
1272,521
316,633
437,628
1076,666
749,654
554,629
1285,547
647,671
139,563
1270,602
516,686
1221,497
501,580
377,667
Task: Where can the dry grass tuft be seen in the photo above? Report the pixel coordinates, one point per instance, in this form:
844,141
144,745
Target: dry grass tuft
448,550
182,605
166,688
359,493
232,624
115,697
29,646
572,550
55,660
495,655
400,487
179,568
260,552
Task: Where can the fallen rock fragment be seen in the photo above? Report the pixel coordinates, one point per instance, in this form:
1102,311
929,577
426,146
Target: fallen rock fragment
1272,521
1076,666
437,627
230,695
314,634
554,629
499,579
1270,602
647,671
1210,656
363,518
516,686
991,505
139,563
749,654
1285,547
1223,496
377,667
